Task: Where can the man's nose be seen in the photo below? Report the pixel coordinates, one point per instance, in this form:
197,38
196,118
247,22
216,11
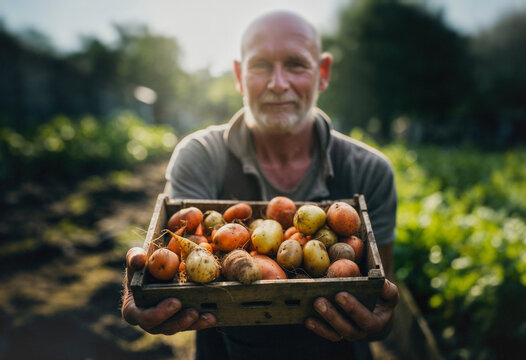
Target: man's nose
278,82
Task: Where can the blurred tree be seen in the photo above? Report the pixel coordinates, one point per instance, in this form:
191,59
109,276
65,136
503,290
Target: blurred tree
146,59
500,72
393,59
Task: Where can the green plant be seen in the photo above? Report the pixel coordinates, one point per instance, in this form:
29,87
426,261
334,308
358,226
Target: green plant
461,245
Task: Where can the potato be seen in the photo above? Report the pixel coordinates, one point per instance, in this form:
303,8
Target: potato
341,251
343,268
315,258
290,254
201,266
267,237
309,218
326,236
213,220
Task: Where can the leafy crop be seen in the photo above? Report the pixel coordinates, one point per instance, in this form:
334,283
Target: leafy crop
68,148
461,245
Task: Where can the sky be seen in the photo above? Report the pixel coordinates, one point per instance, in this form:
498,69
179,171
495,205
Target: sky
208,31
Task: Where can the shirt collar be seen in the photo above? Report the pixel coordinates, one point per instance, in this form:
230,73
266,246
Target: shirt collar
237,138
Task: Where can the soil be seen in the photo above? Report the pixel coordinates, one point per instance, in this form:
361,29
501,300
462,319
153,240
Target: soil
62,249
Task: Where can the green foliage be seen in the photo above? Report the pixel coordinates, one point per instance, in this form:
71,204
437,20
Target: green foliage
461,245
63,147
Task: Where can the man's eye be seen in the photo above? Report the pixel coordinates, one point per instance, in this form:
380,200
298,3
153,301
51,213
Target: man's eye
296,65
259,65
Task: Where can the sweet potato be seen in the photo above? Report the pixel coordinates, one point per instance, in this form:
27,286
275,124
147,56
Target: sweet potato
270,269
240,211
238,265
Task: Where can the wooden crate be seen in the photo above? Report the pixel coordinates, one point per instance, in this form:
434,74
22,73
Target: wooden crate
263,302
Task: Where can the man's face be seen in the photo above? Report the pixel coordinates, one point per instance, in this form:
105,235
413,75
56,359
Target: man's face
279,77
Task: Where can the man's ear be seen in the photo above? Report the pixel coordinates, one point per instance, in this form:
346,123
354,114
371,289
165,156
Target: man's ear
237,73
325,71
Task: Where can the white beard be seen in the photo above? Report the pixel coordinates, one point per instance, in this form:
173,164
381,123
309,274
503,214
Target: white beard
283,122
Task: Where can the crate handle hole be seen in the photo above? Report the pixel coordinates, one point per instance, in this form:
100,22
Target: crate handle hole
256,304
208,306
292,302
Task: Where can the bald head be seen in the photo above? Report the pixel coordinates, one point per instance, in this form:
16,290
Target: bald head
279,22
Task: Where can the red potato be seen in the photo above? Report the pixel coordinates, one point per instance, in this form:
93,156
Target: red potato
343,219
270,269
343,268
240,211
358,246
190,217
230,236
281,209
136,258
163,264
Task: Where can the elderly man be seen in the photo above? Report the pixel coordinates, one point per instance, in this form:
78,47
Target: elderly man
281,144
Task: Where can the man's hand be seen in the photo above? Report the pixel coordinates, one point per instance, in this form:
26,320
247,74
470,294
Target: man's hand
353,321
165,318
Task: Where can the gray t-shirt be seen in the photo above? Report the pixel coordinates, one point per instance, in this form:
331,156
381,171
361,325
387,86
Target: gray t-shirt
197,170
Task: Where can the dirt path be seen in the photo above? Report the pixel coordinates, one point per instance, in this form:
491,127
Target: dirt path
62,250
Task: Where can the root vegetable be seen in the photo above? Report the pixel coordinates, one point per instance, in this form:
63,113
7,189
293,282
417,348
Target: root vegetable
309,218
238,265
315,258
267,237
343,219
341,251
290,254
270,269
281,209
200,265
136,258
213,220
326,236
357,245
230,236
289,232
190,217
240,211
343,268
163,264
300,238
